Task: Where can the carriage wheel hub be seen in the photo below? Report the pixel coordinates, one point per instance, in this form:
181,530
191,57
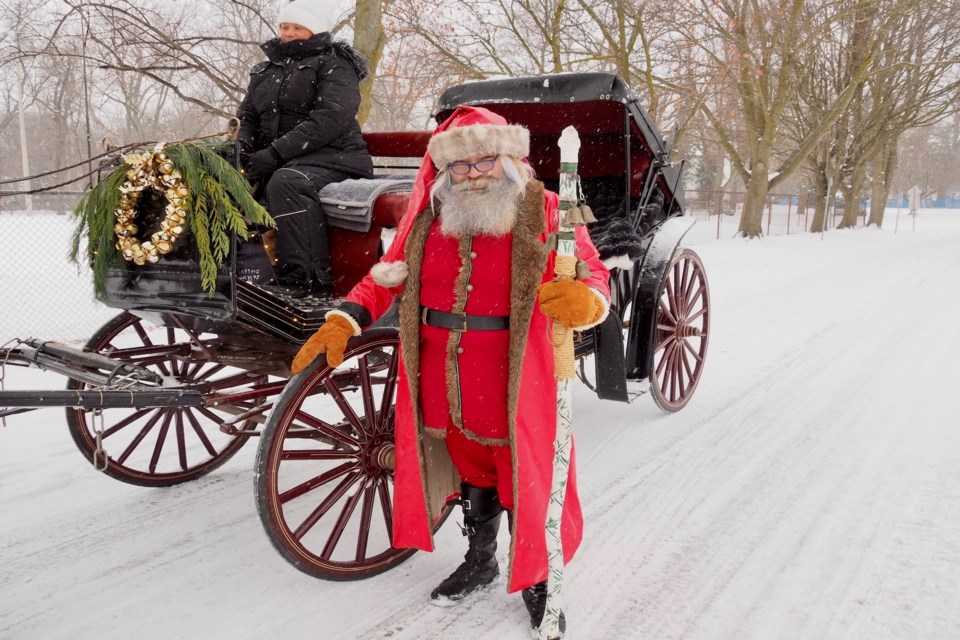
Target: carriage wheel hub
687,331
385,456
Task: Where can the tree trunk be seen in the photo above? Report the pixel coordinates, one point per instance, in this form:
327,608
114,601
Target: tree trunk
886,166
851,198
751,218
369,40
819,204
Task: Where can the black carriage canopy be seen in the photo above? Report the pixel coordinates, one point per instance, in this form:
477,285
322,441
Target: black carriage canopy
600,105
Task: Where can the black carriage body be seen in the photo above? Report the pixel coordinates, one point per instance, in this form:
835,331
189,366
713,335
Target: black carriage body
623,162
244,315
619,141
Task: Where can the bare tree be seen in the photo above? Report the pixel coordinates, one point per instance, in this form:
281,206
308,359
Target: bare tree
753,52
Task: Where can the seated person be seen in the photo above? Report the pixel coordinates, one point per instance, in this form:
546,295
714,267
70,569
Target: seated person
299,132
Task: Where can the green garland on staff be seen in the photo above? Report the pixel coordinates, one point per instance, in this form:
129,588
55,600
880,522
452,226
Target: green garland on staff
203,193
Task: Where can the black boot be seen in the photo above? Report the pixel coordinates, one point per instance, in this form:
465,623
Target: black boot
481,521
535,598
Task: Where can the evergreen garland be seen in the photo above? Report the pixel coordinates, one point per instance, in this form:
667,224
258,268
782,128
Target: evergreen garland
220,203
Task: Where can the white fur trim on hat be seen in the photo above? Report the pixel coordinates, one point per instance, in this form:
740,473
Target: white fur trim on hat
319,16
389,274
460,143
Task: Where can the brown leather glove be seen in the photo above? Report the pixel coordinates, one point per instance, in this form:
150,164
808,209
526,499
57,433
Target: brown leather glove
570,302
330,339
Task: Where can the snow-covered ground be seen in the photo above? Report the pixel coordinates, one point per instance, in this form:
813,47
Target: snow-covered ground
811,490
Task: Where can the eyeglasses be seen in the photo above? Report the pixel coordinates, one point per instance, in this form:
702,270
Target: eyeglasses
484,165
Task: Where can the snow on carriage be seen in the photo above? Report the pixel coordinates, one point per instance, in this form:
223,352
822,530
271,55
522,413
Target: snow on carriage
196,365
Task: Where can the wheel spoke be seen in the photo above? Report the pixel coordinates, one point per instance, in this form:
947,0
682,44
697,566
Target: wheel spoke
366,519
325,506
689,278
326,428
667,312
197,429
317,481
366,390
386,506
337,394
693,352
314,454
670,346
133,417
161,439
181,442
389,388
667,300
344,518
697,315
675,374
217,368
157,414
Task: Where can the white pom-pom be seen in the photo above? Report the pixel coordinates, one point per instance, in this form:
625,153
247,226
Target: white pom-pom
389,274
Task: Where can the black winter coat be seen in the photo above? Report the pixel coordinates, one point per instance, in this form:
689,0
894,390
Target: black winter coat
303,100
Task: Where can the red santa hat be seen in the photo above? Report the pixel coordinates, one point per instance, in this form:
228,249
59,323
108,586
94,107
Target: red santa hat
319,16
469,131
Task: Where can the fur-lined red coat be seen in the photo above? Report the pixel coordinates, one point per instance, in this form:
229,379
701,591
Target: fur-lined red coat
425,478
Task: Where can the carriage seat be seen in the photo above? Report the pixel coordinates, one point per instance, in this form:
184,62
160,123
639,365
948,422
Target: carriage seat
353,204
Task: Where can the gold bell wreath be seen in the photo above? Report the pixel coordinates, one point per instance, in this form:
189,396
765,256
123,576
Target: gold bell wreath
151,171
203,194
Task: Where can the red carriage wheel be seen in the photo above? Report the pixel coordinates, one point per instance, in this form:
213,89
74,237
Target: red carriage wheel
161,446
324,484
681,333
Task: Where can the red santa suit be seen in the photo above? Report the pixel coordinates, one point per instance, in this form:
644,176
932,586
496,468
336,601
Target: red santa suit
497,386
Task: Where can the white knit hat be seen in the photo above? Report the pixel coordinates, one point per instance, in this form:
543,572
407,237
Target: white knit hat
318,16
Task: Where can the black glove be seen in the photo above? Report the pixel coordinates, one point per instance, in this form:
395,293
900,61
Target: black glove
260,165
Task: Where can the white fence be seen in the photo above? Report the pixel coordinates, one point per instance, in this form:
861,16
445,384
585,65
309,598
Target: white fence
43,294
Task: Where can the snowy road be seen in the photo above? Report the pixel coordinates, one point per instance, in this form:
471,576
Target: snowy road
811,490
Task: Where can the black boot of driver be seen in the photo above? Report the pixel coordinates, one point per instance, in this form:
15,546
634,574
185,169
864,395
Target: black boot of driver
481,521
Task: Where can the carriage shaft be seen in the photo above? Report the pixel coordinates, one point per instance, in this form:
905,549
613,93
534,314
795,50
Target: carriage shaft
68,360
93,399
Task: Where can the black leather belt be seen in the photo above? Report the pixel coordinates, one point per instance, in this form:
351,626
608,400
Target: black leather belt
462,321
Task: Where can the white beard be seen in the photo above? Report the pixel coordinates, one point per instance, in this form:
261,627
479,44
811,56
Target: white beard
483,206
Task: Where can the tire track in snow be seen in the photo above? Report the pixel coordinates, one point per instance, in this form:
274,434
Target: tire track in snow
684,553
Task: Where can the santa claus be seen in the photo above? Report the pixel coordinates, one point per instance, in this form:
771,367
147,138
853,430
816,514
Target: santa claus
476,399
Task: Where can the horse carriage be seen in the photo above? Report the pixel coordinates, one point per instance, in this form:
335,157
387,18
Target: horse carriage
183,377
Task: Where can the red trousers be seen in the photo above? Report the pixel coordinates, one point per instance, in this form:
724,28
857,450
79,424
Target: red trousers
480,465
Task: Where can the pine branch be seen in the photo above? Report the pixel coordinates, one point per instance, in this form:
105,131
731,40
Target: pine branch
220,204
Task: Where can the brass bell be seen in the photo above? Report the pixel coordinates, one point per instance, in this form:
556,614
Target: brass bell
583,271
573,217
587,214
552,242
